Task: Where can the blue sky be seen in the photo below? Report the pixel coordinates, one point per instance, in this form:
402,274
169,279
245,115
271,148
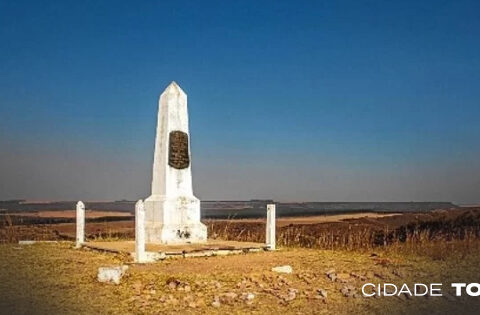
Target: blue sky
311,100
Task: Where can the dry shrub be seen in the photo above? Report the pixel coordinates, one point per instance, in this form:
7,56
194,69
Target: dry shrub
9,231
465,227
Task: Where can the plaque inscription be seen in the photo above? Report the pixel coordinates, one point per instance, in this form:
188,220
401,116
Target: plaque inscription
178,156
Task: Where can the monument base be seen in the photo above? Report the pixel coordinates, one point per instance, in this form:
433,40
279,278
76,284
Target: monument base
173,220
156,233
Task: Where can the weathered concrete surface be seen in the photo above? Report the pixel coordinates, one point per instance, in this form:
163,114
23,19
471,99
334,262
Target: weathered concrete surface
156,251
140,256
271,217
80,224
172,211
149,257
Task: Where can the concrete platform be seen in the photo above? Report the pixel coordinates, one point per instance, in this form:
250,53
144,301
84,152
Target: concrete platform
210,248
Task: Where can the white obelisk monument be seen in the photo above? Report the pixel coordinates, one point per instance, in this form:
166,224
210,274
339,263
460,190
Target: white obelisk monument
172,212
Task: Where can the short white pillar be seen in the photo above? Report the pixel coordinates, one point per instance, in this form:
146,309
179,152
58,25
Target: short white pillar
140,232
270,237
80,239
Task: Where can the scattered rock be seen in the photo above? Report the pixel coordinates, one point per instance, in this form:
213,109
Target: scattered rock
111,274
172,283
322,293
175,284
283,281
306,277
290,296
228,298
283,269
331,274
248,297
349,291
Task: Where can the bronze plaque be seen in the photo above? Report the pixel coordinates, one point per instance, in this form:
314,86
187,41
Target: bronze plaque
178,156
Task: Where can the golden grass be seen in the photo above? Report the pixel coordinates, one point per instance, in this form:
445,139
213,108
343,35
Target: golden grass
55,278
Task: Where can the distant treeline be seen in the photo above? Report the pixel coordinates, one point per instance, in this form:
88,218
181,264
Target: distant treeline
242,209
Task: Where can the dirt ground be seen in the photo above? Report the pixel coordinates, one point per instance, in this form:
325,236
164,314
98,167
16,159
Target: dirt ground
56,278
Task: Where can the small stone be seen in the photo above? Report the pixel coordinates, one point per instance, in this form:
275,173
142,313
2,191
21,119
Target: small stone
331,274
322,293
290,296
173,283
283,269
350,287
249,296
216,303
349,291
228,298
111,274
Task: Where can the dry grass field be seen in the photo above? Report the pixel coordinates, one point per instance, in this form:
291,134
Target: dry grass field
56,278
343,231
434,247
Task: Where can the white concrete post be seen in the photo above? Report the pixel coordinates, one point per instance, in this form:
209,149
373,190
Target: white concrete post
140,232
80,239
270,237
